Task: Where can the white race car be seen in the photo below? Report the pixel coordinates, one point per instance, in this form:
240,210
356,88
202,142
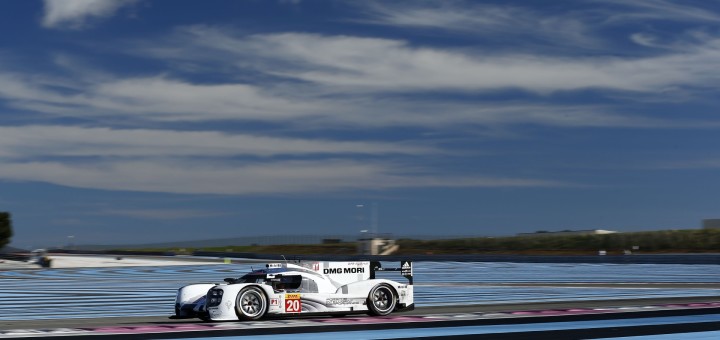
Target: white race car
335,288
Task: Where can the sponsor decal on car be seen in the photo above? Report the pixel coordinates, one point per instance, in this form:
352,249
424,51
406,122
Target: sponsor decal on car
316,267
292,303
274,302
343,270
406,269
343,301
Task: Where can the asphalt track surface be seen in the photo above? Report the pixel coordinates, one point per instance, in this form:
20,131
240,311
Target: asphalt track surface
581,319
105,292
695,315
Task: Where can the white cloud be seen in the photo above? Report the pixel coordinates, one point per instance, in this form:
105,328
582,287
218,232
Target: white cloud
480,20
348,64
259,178
312,82
157,96
575,27
299,106
350,81
709,163
659,10
644,39
30,142
160,214
76,13
204,162
375,64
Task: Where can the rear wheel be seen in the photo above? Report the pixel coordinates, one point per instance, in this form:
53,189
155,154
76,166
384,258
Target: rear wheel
381,300
250,304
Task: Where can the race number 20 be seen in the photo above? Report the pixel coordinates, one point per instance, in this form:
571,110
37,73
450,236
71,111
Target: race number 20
292,303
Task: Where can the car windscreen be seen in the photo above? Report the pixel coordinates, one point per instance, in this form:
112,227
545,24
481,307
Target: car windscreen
251,278
291,282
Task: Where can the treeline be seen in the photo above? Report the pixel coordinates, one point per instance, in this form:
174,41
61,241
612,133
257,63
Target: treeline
687,241
6,231
345,248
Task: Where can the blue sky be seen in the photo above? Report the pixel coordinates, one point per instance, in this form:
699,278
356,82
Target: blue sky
137,121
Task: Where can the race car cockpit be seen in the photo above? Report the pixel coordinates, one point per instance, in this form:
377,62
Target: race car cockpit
289,283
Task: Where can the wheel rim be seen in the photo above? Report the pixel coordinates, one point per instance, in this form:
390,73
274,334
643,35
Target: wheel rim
251,304
381,299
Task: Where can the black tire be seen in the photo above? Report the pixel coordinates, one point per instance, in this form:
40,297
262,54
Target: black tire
381,300
251,304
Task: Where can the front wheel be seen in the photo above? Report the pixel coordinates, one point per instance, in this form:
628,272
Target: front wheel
381,300
251,304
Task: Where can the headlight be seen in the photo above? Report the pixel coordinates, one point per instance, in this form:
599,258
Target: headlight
214,297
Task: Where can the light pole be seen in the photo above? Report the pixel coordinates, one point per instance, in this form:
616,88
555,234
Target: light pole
360,218
70,241
374,219
373,227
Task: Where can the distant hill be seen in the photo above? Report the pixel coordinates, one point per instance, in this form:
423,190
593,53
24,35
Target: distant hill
249,241
9,249
222,242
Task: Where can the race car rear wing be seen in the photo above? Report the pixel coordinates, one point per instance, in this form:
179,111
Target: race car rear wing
405,270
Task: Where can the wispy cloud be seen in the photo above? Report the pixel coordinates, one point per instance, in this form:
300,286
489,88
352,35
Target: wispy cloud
168,100
75,14
689,164
355,64
259,178
484,20
324,83
160,214
576,27
395,66
358,92
30,142
205,162
658,10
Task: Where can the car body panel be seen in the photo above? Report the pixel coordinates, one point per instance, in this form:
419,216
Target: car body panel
294,289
